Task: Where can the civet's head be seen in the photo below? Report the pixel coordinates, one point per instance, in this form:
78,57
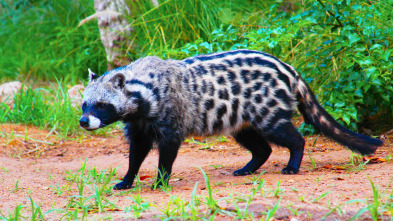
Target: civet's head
103,100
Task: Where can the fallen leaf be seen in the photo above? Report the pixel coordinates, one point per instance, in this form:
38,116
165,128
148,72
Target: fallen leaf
338,168
374,159
329,166
141,178
113,209
13,142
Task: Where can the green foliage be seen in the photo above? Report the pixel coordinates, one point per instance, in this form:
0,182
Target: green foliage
342,49
41,39
100,185
177,22
354,51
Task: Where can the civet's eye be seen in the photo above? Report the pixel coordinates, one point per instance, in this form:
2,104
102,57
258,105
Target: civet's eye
84,106
101,105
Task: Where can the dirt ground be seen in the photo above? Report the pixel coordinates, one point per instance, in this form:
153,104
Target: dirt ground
29,167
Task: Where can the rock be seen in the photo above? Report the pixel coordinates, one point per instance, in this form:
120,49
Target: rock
224,172
8,91
75,94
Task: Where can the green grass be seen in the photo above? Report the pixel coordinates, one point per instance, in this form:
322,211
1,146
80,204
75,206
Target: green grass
15,215
41,40
46,108
177,22
88,192
379,207
41,43
352,56
244,213
139,204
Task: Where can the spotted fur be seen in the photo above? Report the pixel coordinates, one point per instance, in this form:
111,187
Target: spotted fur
248,94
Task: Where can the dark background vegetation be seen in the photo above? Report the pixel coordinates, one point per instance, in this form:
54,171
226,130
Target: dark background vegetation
342,48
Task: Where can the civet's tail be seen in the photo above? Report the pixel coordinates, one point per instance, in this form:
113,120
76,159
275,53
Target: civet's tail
314,114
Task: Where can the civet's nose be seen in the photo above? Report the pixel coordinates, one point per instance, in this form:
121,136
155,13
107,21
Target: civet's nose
84,122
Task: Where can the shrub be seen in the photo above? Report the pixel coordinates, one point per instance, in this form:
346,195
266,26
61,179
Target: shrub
342,49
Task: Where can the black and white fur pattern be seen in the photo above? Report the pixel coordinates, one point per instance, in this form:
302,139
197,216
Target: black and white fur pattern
248,94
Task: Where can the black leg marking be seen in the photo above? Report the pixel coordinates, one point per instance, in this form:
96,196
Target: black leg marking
168,150
251,139
140,145
286,135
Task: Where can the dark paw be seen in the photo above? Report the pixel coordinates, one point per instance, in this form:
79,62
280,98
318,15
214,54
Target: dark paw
122,186
289,170
241,172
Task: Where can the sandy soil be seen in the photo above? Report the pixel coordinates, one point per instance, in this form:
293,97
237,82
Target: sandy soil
37,163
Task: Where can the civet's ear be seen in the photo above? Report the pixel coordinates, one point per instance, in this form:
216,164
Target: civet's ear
118,81
92,76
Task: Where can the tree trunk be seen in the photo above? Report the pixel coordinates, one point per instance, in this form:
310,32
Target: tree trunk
114,30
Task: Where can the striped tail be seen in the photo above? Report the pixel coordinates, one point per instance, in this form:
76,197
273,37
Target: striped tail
314,114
